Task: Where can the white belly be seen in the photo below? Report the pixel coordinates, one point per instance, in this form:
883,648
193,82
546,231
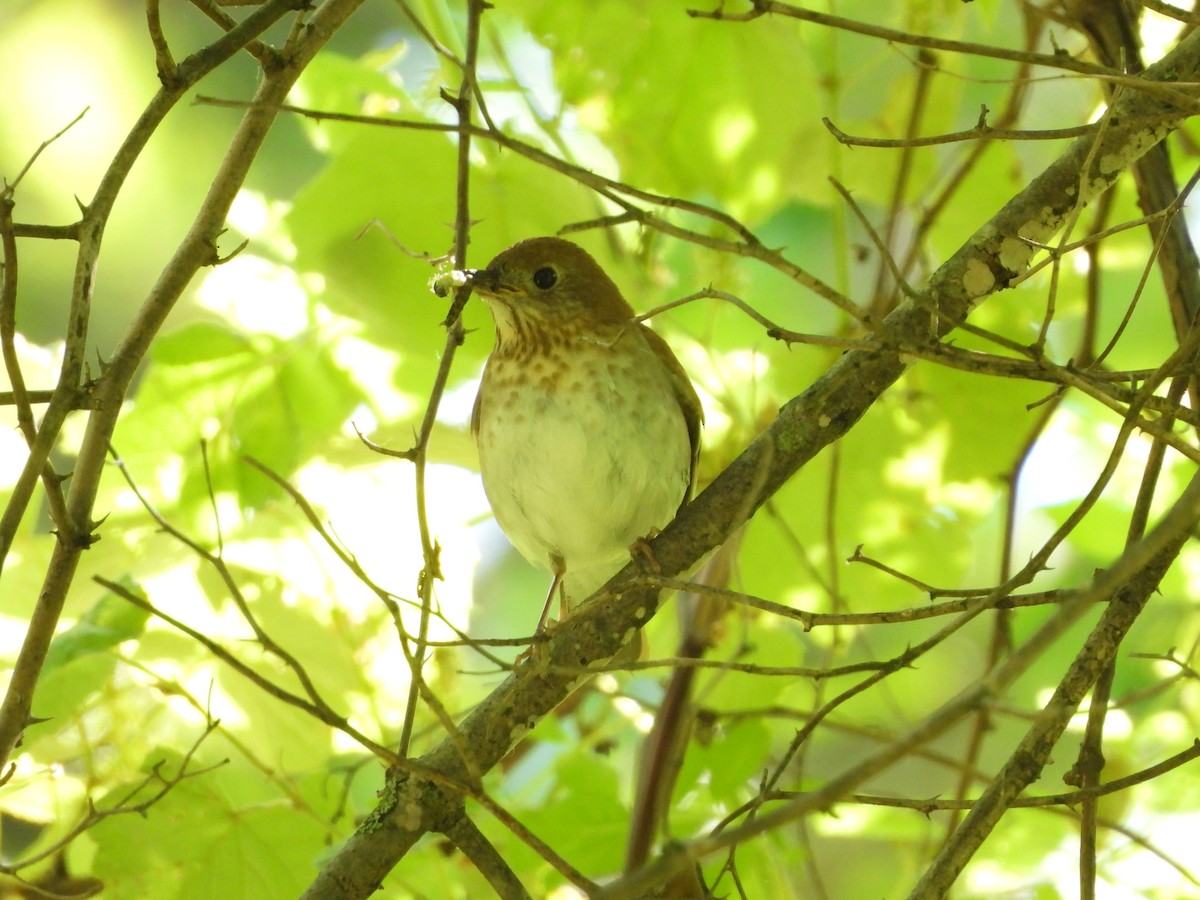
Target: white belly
594,467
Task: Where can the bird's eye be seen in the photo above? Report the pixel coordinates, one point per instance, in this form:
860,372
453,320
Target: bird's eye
545,278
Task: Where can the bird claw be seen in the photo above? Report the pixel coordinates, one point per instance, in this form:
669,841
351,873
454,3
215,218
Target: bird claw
641,550
536,652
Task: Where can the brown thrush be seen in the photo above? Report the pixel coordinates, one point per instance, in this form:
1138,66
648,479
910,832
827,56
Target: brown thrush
587,426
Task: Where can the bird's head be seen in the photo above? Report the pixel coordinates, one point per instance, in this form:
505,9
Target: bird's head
547,281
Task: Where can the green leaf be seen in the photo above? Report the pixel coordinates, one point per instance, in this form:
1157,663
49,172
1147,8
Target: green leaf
737,758
709,121
275,400
199,342
337,83
225,833
108,623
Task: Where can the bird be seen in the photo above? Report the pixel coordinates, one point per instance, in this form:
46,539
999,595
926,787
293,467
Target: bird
587,426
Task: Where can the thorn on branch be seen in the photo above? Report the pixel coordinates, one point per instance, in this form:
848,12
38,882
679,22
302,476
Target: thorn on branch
219,260
58,478
78,541
102,364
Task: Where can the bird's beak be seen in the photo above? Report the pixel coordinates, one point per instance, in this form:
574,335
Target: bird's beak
488,283
477,277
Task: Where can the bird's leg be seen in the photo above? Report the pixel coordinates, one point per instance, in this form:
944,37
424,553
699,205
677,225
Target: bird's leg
555,585
564,606
559,567
536,650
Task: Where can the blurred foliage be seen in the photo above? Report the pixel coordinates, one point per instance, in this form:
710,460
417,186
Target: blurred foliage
324,324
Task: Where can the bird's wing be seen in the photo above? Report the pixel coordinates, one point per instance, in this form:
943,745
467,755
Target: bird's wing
685,394
475,413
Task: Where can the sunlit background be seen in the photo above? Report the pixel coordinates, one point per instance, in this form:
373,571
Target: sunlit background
324,322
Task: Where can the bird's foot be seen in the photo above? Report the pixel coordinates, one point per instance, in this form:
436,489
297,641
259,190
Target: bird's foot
537,653
641,550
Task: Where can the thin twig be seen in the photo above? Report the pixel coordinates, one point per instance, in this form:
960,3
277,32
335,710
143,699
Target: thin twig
431,552
981,131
